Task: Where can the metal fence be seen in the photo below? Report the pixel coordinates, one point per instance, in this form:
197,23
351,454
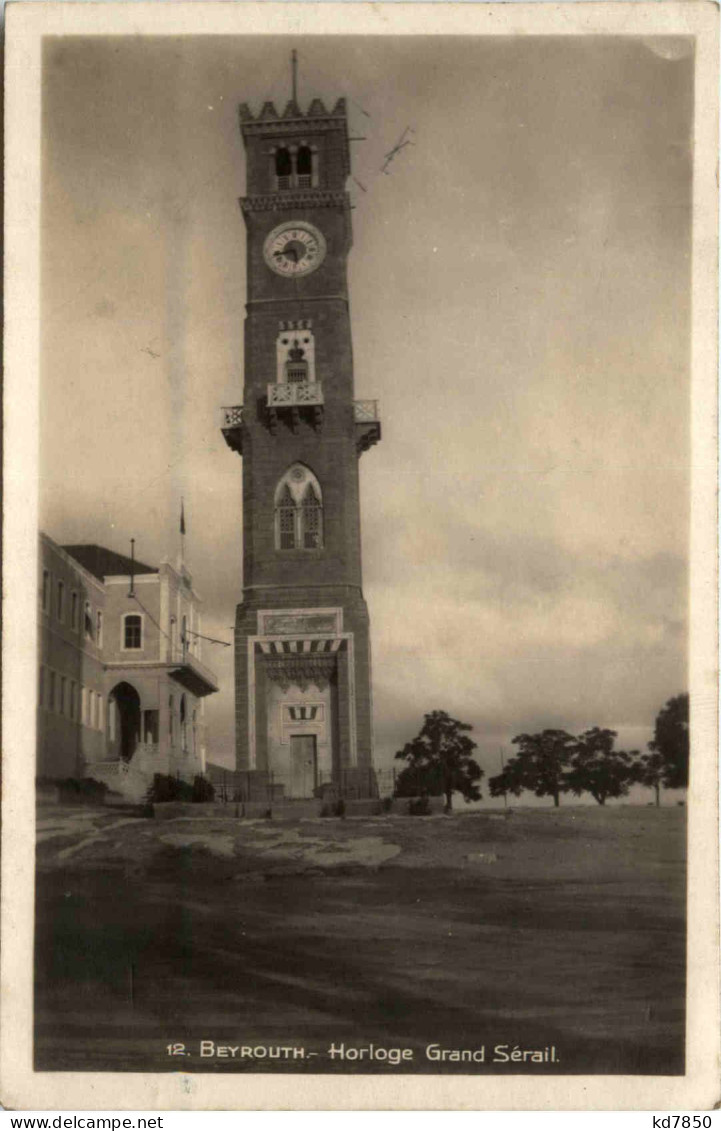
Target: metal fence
268,786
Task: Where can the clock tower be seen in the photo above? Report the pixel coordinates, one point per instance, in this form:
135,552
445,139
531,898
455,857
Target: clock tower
302,647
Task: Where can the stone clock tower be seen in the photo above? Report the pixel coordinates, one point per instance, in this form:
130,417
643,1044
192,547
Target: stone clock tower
302,648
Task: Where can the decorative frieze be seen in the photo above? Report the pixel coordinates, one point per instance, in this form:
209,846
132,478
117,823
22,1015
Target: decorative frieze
301,669
290,201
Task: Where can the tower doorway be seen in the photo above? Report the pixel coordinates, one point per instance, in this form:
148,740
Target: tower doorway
303,765
127,704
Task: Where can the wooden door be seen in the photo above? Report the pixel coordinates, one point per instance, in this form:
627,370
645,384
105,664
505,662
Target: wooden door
303,765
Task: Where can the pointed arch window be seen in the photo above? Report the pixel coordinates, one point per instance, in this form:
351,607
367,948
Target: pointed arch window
311,519
298,510
286,512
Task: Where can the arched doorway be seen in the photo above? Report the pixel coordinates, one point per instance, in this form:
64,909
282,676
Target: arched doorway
125,700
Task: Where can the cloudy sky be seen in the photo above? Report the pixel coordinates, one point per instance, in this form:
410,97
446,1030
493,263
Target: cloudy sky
520,303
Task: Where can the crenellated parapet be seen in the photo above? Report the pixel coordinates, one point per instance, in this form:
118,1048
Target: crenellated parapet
291,112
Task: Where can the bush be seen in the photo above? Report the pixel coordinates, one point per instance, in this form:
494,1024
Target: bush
203,790
333,808
165,787
419,807
386,804
84,787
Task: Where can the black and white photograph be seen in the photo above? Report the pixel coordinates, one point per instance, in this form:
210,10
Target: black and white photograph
365,719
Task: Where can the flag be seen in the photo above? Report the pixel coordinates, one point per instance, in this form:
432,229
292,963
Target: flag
182,516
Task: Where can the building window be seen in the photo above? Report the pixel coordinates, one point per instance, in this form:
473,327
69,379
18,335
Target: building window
132,631
71,701
283,170
51,692
295,353
304,167
311,519
298,510
60,606
183,726
91,709
88,621
74,611
62,702
296,367
150,727
46,591
286,520
83,706
99,628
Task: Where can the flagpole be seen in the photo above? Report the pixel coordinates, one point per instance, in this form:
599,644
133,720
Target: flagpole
182,532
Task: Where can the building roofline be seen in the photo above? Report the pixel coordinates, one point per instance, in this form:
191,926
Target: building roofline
71,561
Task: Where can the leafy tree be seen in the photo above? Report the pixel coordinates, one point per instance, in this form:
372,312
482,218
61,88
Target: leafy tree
649,770
670,740
597,768
439,761
539,766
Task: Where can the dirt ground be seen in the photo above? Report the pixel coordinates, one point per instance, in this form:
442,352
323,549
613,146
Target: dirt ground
541,930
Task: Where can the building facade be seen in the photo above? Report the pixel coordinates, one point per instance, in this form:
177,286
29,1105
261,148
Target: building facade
121,683
302,641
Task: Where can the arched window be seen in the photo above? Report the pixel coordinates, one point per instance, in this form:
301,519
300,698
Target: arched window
298,510
311,520
304,167
283,169
286,519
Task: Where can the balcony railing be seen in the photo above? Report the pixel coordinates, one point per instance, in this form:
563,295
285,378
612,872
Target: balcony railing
231,425
365,412
297,393
367,424
231,416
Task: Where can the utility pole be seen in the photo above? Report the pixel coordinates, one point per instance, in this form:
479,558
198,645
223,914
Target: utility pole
131,591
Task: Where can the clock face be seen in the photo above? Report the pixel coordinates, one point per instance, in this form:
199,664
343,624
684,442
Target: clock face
294,249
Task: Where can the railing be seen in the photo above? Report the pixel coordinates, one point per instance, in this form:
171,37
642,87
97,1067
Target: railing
365,412
232,416
186,658
269,786
297,393
116,768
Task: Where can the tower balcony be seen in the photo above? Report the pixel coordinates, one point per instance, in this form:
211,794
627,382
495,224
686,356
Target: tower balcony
231,425
367,424
293,400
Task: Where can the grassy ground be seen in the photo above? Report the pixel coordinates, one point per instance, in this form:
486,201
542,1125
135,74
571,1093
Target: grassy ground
542,929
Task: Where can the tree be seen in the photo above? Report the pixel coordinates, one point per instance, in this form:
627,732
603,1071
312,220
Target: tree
597,768
649,770
439,761
670,741
540,765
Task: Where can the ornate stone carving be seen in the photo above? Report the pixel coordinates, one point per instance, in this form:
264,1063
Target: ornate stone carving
301,670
